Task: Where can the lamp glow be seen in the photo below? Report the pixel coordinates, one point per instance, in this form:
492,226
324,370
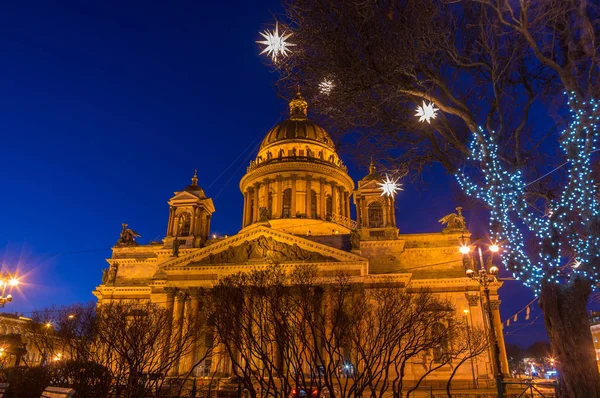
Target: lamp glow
494,248
464,249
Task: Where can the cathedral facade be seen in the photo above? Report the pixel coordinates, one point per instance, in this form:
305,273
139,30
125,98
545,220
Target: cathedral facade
297,201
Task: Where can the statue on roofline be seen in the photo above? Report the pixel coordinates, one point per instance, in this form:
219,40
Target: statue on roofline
263,214
454,221
127,237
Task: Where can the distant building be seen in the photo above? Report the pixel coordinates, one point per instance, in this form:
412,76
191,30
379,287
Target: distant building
595,328
13,348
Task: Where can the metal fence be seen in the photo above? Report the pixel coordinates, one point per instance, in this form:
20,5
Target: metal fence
530,389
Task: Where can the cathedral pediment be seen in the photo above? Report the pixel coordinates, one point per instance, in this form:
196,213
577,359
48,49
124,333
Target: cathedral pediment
261,249
371,185
262,245
183,196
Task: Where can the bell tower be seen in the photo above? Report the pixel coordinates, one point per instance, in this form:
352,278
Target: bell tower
190,212
375,212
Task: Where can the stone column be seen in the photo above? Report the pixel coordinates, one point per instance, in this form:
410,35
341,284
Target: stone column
206,225
171,220
387,214
294,177
308,197
193,221
334,209
194,312
322,207
473,300
500,336
255,210
171,293
177,327
393,211
347,201
245,213
359,214
267,184
341,200
279,196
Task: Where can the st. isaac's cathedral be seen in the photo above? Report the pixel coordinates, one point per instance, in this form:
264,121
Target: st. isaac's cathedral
297,200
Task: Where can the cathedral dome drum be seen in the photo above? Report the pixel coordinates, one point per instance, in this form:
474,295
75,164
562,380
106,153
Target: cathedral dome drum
298,183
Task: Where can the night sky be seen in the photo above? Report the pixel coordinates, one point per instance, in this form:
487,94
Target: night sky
106,110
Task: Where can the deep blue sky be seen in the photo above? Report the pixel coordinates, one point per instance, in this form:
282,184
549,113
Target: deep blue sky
106,108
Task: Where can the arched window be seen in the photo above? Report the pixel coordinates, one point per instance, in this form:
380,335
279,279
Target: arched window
185,222
375,215
270,204
313,204
287,203
328,205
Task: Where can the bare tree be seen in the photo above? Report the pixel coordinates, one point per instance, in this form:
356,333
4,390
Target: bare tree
40,335
135,341
487,65
254,323
298,330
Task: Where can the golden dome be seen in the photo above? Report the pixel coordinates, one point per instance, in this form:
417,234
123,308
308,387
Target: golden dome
298,183
297,127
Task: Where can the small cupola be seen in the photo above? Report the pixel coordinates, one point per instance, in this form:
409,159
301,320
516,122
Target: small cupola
189,216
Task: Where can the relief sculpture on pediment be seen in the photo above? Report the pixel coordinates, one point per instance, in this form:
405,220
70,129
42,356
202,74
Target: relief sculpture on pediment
263,249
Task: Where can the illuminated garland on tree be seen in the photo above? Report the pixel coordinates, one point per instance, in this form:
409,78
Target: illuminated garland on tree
574,217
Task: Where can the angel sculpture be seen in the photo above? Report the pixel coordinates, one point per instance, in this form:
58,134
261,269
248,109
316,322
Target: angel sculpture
128,236
454,221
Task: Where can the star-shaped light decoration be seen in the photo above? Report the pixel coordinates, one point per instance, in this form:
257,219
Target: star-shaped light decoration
276,45
426,112
326,86
389,186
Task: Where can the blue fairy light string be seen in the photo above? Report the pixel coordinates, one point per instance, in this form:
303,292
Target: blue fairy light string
574,217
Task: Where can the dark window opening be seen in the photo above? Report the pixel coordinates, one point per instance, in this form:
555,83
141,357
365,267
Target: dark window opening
375,215
287,204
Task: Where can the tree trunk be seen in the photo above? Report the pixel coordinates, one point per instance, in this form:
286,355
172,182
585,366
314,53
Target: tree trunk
565,316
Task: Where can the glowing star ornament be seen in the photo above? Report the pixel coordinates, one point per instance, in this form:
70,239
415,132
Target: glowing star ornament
389,187
426,112
326,86
276,45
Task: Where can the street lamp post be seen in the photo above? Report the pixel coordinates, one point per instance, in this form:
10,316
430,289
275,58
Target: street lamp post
485,277
7,283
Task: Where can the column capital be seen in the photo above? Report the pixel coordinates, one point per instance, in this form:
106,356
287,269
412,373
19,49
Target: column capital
181,296
171,292
196,292
495,304
473,299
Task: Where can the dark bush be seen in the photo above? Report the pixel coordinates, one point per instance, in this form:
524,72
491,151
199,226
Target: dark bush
89,379
26,382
